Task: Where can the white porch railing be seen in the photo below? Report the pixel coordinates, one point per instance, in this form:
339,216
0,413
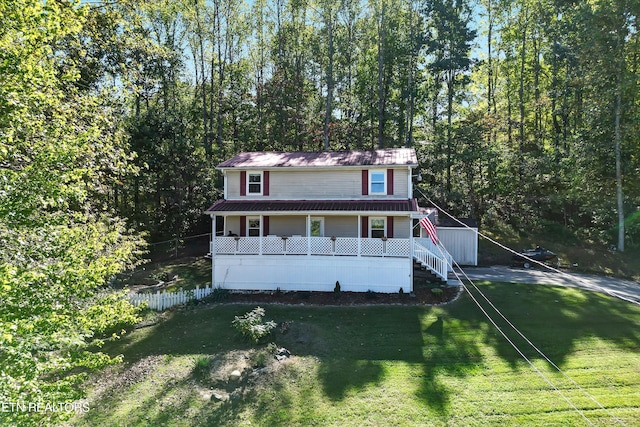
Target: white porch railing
438,251
344,246
430,260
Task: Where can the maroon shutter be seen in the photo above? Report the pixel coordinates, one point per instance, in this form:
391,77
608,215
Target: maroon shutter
364,226
265,225
243,183
365,182
243,225
390,227
265,188
390,182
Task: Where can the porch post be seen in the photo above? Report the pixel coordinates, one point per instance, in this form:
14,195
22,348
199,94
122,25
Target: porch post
260,235
309,234
213,250
409,183
359,233
410,253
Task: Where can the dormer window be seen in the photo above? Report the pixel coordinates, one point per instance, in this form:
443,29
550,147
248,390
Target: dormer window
254,183
377,182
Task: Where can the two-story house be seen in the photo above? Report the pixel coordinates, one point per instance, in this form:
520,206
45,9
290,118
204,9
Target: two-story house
304,220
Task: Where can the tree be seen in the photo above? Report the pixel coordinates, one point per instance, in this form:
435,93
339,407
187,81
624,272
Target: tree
60,151
449,47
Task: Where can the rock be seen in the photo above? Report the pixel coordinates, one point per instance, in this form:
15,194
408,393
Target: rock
235,375
217,397
282,354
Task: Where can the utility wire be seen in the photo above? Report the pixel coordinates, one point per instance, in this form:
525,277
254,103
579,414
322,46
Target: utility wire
542,264
504,335
586,393
440,249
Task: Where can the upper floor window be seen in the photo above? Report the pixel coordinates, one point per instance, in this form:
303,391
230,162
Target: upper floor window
254,183
377,182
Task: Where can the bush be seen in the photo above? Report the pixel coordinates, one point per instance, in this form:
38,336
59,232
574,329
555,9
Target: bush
250,325
336,289
217,295
201,367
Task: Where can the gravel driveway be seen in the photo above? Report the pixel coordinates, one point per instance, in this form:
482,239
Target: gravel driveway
624,289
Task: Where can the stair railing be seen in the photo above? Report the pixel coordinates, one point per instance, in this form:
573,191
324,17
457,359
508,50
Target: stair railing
430,260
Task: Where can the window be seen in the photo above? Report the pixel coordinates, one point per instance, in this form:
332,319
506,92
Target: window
254,183
253,226
377,182
317,227
377,227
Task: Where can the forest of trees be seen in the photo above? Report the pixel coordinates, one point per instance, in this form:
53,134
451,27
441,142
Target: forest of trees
114,114
523,112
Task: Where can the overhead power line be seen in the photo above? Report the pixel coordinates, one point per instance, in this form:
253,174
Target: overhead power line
442,249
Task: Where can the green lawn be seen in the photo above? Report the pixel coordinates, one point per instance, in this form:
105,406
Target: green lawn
381,366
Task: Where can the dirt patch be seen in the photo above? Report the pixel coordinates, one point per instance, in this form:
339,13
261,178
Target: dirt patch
118,377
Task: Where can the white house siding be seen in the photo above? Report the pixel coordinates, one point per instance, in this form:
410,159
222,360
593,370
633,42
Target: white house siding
287,225
462,244
317,184
401,227
341,226
233,185
232,223
312,273
334,225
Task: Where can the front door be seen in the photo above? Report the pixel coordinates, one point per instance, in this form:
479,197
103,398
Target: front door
317,227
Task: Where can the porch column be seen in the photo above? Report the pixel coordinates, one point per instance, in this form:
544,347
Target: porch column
309,234
410,253
409,183
359,233
213,250
260,235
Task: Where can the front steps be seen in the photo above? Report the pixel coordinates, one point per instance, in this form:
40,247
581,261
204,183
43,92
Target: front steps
424,274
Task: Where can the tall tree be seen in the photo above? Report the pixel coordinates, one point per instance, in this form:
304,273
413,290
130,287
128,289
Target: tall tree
61,149
449,47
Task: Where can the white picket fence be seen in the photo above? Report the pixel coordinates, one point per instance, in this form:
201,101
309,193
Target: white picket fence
162,300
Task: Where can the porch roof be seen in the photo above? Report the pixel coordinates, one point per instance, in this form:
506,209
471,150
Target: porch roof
298,159
299,206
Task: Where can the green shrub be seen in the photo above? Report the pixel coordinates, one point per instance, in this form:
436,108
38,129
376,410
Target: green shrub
201,367
218,294
251,325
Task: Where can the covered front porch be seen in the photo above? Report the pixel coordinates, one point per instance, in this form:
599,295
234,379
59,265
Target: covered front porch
298,245
364,245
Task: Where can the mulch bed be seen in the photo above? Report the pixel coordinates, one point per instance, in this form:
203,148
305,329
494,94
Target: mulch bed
422,295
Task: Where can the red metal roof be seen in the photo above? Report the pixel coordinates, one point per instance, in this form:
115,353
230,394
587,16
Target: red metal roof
314,206
272,159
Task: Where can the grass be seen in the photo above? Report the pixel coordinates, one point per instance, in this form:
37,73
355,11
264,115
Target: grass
371,366
188,273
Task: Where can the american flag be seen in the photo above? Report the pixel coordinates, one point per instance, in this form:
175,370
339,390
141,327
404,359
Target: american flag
429,228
